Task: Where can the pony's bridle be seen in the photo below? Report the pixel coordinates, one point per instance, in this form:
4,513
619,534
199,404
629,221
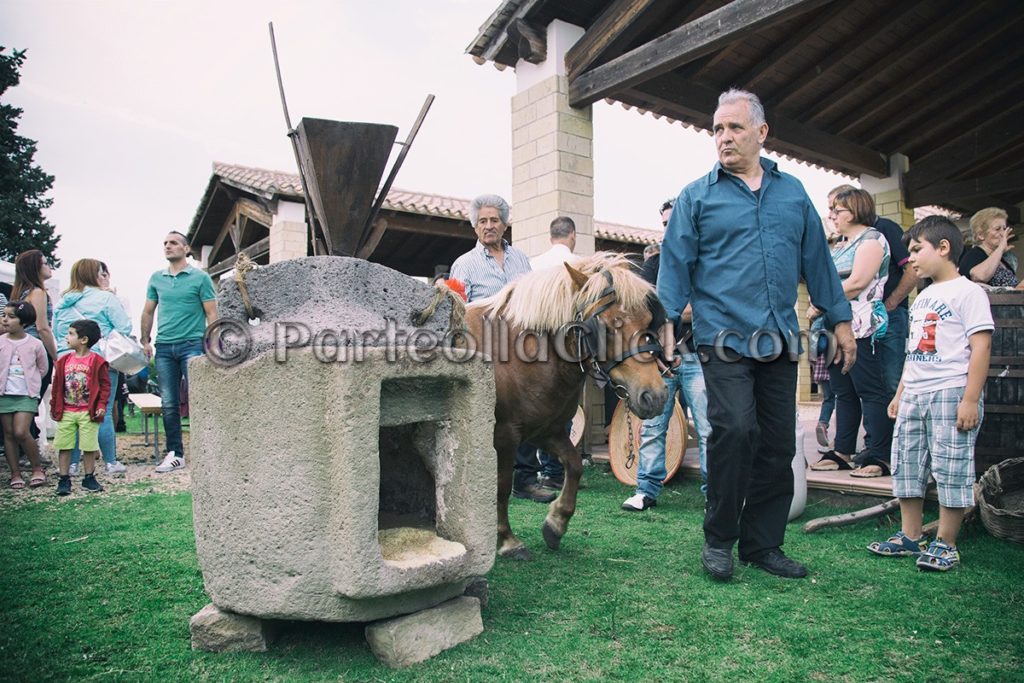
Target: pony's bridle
589,331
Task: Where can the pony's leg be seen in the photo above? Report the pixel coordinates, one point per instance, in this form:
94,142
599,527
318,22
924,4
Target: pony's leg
561,509
509,544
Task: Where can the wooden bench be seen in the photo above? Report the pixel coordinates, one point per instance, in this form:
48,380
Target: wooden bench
150,405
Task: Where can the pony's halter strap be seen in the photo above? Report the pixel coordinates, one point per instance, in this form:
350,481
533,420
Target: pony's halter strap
589,331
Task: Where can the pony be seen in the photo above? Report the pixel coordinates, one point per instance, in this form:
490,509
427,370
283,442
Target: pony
544,333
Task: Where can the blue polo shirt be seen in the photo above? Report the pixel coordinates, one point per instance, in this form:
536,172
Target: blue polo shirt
738,257
179,299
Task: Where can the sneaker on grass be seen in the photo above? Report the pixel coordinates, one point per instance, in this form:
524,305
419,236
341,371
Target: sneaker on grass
115,467
89,483
638,502
64,486
171,462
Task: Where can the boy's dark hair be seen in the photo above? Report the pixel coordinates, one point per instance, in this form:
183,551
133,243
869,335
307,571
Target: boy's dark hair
23,311
88,329
934,229
666,205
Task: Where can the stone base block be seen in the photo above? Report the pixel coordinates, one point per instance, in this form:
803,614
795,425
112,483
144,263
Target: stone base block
216,630
406,640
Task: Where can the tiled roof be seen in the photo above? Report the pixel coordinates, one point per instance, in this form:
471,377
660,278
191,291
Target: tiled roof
276,183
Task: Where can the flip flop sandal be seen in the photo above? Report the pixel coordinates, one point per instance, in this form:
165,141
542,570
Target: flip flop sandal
898,545
876,470
17,484
37,481
831,462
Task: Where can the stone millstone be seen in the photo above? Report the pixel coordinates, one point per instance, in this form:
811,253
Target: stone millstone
403,641
215,630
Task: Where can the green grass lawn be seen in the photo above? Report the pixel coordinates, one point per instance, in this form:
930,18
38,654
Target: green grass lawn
102,588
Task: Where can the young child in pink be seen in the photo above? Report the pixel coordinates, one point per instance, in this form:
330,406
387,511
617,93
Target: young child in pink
81,387
23,364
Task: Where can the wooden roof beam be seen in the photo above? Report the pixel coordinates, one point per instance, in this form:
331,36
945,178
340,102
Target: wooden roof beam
768,63
619,25
973,188
834,57
695,39
785,135
837,99
253,251
531,42
498,43
889,99
951,158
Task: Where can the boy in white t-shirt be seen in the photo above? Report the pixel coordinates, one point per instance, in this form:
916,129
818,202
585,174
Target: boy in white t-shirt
938,405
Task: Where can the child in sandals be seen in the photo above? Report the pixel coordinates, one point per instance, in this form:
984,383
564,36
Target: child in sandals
938,405
23,363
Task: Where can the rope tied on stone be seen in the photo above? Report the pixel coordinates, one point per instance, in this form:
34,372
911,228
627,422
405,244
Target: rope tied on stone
442,291
243,265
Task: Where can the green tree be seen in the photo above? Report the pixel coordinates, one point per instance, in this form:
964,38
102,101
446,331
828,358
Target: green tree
23,185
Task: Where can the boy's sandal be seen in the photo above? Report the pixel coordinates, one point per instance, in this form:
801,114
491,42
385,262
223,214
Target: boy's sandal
37,480
831,462
939,557
898,545
17,484
871,470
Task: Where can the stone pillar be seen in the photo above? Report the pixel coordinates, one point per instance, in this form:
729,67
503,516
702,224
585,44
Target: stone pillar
552,150
888,192
289,236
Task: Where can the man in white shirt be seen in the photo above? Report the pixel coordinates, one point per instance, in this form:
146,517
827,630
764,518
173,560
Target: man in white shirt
563,242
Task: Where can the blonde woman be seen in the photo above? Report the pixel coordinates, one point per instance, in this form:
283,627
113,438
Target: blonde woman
991,260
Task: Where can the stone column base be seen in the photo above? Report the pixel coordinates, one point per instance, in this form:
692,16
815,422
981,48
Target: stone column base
216,630
413,638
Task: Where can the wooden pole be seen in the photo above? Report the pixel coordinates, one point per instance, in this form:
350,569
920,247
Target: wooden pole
314,238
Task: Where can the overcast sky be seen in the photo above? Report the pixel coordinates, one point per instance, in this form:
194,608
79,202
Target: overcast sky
132,102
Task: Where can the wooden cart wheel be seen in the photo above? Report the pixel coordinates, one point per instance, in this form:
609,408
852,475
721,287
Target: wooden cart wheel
618,446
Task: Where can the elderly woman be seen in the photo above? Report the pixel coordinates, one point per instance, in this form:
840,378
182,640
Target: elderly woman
990,261
86,298
862,259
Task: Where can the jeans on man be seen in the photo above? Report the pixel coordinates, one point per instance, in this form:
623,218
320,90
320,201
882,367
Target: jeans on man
172,366
892,348
688,381
752,410
108,441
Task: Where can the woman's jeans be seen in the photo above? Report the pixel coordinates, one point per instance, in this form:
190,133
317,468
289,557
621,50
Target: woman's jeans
172,366
108,440
863,392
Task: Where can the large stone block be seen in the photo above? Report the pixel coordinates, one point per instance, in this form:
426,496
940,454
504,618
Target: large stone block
215,630
341,491
417,637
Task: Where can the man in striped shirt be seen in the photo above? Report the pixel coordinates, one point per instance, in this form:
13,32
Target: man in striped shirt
493,262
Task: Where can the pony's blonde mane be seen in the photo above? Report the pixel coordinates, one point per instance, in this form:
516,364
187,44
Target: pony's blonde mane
545,300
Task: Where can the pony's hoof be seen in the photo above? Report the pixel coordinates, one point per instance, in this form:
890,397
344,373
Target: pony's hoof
551,537
517,553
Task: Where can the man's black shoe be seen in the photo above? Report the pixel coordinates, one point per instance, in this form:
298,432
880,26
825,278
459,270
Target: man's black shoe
776,562
535,492
553,483
717,562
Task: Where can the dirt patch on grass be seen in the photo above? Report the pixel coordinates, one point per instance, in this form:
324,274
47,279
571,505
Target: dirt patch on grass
140,479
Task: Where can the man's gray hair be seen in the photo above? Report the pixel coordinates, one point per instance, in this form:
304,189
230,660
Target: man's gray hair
733,95
562,227
492,200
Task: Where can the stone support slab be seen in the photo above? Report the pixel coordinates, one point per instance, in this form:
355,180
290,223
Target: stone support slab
216,630
403,641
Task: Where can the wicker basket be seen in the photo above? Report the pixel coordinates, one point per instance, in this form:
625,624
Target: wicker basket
1001,500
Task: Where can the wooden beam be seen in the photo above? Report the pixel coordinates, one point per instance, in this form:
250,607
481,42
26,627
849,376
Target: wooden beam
254,211
377,230
834,56
499,41
975,144
785,135
955,190
617,26
429,225
531,42
894,98
253,251
752,78
684,44
850,93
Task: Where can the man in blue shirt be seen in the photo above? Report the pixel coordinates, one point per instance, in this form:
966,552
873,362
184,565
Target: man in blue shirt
185,301
738,243
493,262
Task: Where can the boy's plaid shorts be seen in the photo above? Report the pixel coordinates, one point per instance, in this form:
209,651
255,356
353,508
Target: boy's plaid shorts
926,441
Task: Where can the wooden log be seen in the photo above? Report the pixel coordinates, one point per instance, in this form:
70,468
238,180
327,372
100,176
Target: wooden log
848,518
